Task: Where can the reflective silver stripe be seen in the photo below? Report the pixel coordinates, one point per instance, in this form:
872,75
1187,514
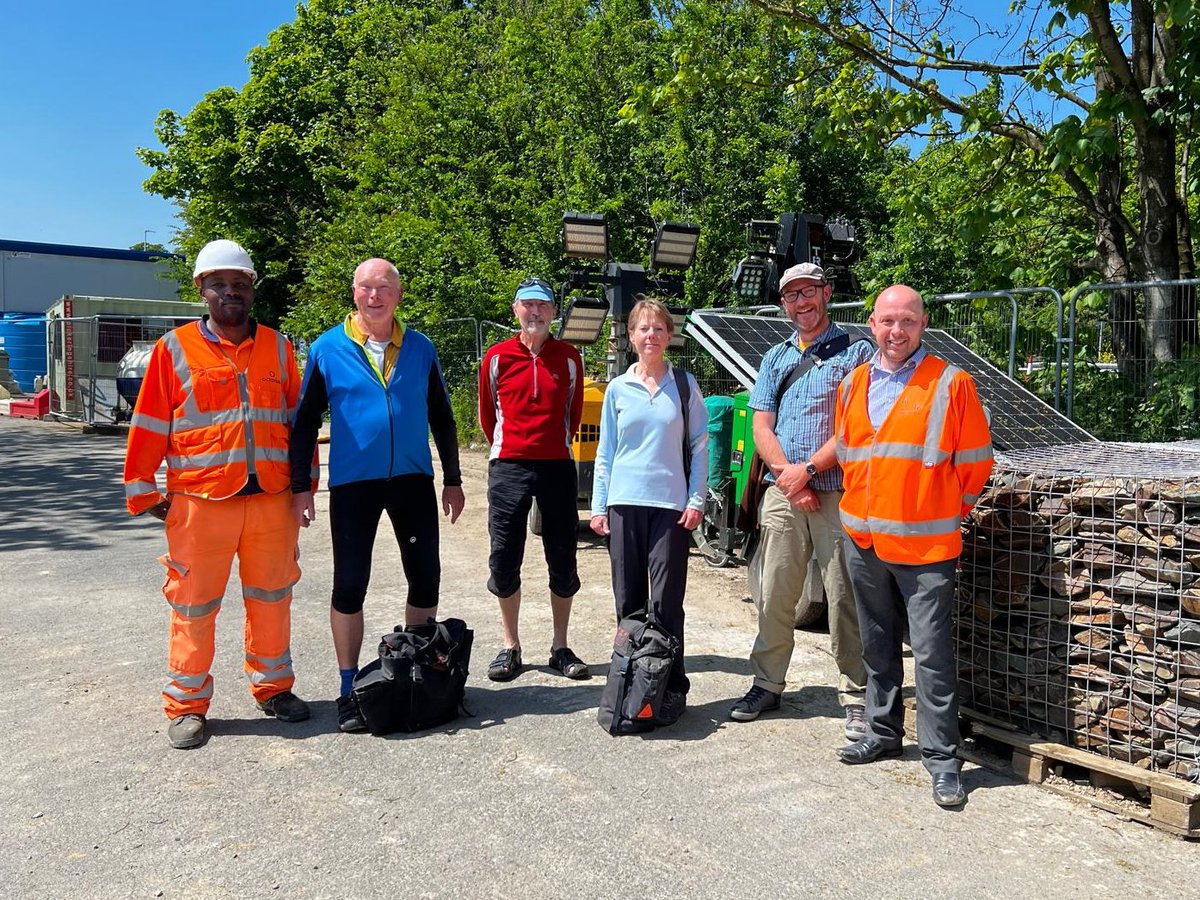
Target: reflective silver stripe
315,473
266,596
876,525
203,460
978,454
137,488
970,499
277,416
839,451
150,423
178,693
937,416
891,450
190,682
271,662
278,674
270,454
197,419
196,610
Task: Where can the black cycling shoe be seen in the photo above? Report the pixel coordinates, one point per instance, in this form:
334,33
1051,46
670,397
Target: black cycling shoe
350,717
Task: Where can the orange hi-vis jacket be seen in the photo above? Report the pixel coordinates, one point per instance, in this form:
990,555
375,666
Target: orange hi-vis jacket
216,413
908,485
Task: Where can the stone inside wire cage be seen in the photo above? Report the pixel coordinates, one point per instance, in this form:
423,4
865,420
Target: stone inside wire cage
1078,606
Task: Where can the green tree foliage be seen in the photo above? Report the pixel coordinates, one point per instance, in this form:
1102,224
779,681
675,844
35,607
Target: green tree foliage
1100,95
451,137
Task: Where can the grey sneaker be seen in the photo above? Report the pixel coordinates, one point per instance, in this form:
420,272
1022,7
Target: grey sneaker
856,722
757,700
286,707
186,732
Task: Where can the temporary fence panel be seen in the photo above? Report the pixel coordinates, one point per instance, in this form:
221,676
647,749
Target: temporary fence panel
1134,369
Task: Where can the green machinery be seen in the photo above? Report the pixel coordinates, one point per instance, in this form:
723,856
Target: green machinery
730,446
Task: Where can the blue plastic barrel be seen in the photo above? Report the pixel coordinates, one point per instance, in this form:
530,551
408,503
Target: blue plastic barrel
23,337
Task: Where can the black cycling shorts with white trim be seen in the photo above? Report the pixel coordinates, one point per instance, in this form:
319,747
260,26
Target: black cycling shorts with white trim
354,513
513,485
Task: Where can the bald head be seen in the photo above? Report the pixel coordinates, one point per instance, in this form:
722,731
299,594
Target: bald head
377,293
897,322
377,268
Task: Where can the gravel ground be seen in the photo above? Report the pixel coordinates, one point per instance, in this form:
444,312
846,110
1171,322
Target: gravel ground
527,797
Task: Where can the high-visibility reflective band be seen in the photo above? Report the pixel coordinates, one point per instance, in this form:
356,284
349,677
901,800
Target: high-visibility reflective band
265,414
266,596
270,454
978,454
196,610
931,528
315,473
271,662
937,416
137,488
194,419
150,423
970,499
204,460
179,361
257,677
891,450
177,693
839,450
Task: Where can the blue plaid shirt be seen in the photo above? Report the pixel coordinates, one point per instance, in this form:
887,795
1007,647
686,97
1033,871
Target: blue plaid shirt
804,421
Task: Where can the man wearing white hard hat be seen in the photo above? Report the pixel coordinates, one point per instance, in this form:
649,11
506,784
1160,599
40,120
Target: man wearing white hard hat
794,401
216,404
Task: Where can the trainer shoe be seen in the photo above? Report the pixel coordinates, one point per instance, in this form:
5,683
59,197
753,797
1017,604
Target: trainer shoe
856,722
350,717
757,700
673,705
286,707
186,731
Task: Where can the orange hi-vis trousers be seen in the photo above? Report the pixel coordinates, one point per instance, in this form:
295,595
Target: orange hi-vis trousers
202,538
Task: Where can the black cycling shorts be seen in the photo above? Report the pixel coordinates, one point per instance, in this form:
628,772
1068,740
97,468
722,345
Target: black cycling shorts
354,513
513,485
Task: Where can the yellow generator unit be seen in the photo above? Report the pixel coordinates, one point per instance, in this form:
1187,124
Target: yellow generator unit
588,438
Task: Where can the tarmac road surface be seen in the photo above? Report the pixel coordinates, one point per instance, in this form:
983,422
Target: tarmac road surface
526,798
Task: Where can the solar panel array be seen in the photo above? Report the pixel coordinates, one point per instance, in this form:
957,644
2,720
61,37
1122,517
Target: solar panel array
1019,418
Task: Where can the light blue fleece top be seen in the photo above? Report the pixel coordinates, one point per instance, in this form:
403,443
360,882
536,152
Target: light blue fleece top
639,461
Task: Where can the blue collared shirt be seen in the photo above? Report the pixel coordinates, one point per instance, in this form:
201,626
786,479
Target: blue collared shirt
885,388
804,420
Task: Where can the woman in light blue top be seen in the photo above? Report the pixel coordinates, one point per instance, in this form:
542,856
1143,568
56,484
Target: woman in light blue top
641,497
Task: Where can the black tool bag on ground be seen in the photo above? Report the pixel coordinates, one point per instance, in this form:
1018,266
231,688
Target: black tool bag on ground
643,653
419,679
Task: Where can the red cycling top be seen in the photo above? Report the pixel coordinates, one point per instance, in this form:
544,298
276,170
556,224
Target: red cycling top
530,405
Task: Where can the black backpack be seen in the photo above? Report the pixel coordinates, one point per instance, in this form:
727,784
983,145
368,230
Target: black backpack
643,653
419,679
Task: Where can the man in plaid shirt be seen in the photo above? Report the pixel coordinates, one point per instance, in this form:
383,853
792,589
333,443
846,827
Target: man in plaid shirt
799,518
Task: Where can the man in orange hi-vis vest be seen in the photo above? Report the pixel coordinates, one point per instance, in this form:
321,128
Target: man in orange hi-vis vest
913,442
216,403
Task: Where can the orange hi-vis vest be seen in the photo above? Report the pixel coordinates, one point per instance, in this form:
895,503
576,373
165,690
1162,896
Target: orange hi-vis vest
216,413
908,485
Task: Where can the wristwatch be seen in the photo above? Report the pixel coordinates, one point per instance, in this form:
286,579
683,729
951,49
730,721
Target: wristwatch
810,469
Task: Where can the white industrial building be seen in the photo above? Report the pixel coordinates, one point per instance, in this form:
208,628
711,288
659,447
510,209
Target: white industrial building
33,276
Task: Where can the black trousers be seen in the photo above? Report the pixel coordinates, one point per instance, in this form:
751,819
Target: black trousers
354,513
648,549
513,485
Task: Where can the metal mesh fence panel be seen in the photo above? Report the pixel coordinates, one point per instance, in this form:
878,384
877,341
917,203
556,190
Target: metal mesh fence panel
1078,607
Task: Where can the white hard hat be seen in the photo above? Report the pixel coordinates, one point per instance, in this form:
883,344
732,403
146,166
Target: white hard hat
223,254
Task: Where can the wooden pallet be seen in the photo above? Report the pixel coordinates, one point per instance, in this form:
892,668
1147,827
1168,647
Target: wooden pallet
1173,806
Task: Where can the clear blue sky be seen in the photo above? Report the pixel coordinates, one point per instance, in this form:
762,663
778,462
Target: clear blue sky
81,84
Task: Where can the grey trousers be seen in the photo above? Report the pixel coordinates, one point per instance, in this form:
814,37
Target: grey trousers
886,593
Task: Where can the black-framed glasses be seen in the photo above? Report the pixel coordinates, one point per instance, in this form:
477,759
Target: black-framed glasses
812,290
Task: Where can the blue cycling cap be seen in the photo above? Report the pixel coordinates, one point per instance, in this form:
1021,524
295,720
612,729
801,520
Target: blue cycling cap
534,289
